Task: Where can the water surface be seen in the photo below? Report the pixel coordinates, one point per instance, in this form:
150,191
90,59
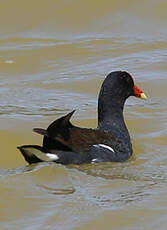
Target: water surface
54,56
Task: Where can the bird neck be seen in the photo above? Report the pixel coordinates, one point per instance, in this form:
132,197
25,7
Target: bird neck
110,115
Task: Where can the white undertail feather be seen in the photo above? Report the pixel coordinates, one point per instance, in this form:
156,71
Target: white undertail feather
43,156
52,156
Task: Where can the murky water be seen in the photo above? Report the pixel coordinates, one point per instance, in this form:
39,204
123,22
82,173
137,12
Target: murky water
53,57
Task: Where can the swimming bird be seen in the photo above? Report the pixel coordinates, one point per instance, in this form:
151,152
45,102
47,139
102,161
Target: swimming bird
66,143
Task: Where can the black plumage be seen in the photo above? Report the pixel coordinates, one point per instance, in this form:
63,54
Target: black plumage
68,144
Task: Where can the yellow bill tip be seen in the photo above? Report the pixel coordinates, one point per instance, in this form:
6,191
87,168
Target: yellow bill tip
143,96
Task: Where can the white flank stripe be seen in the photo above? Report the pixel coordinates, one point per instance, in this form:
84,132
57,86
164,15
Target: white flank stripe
105,146
52,156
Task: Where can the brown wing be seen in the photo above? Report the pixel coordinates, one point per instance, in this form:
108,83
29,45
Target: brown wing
61,134
81,139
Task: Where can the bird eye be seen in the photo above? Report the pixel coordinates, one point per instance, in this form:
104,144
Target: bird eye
124,76
127,78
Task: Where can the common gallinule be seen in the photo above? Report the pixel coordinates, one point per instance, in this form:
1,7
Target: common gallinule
68,144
